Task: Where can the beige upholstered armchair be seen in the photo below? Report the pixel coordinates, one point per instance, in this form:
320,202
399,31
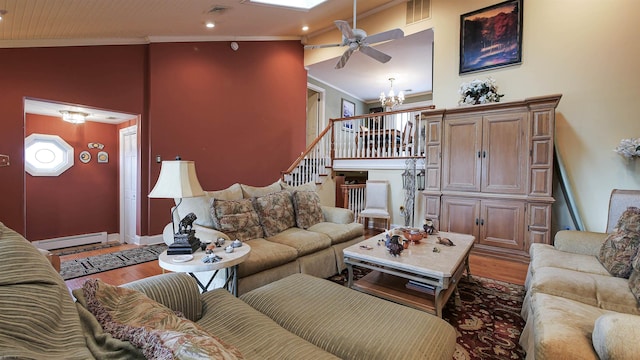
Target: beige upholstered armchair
376,202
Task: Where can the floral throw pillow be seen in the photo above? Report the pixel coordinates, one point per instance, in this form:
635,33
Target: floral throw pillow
621,246
236,218
160,333
275,212
307,208
634,279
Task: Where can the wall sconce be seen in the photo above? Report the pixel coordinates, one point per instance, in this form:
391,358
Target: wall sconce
420,178
407,179
74,117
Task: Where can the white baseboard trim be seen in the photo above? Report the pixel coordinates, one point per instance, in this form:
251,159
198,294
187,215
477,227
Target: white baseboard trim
74,240
148,239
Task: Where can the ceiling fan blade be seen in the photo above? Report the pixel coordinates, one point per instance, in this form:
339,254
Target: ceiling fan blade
384,36
376,54
345,57
345,29
321,46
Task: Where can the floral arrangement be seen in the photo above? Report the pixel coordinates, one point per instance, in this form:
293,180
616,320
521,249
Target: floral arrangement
479,92
629,148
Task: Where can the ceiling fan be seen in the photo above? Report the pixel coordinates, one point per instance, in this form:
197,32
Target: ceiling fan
357,39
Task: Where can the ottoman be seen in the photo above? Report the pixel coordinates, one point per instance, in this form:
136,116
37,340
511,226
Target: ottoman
350,324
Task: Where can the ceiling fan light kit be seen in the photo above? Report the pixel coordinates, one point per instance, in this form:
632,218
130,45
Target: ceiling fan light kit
358,40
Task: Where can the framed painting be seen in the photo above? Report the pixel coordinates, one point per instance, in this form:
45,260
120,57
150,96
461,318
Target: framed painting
491,37
348,108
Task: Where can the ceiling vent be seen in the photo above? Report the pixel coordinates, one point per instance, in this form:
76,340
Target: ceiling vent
418,10
217,9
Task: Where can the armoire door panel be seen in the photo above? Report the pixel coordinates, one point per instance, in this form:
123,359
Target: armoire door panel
504,154
460,215
461,161
502,224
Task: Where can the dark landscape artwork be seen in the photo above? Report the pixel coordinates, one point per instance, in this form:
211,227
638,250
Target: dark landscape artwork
491,37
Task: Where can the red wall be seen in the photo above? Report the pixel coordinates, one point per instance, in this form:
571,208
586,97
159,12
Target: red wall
109,77
57,205
240,115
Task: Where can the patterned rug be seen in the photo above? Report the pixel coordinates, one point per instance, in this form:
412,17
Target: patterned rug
488,322
72,269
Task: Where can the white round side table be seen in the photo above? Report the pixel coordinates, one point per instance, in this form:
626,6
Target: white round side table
229,262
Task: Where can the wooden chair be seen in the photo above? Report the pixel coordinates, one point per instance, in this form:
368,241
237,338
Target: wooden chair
405,144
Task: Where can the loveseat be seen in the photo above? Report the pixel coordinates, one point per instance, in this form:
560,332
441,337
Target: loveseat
582,300
297,317
289,231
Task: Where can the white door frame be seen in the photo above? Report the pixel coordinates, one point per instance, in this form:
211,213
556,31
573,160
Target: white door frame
126,131
322,121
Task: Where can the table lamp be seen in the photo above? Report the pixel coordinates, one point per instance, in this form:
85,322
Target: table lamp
178,180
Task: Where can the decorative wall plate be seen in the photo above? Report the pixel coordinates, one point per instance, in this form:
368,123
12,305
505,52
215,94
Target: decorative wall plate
103,157
85,156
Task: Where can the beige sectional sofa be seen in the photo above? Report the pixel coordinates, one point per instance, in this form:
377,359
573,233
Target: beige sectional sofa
288,248
297,317
574,308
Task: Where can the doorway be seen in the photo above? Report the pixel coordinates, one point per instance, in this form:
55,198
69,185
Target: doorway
315,112
85,205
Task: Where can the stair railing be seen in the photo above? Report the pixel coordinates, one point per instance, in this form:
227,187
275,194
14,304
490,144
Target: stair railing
313,164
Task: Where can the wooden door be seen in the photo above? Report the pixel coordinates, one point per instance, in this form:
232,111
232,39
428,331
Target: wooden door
502,224
460,215
504,153
460,156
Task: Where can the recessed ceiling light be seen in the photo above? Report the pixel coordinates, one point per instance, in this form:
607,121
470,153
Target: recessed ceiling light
295,4
305,28
210,25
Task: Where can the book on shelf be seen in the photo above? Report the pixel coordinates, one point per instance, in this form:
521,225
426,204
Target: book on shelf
422,287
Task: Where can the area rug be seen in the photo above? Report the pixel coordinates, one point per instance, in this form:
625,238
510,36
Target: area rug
72,269
83,248
488,322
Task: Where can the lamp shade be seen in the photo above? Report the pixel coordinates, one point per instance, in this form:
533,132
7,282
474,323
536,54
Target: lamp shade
177,179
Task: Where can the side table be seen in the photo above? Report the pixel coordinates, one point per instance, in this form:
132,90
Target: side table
229,262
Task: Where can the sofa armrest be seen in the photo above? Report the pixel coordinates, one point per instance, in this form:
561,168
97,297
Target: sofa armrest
206,234
579,242
177,291
337,215
615,336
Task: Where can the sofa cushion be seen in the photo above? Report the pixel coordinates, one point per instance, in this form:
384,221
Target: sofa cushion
275,212
236,218
305,242
307,208
309,186
543,255
621,246
254,191
339,233
39,319
559,328
130,315
265,255
614,336
602,291
253,333
201,205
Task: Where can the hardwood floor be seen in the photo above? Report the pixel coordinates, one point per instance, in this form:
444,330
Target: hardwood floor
503,270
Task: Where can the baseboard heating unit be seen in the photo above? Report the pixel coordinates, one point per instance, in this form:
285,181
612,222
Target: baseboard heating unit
74,240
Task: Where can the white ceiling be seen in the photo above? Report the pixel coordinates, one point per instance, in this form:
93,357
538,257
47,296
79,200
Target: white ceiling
32,23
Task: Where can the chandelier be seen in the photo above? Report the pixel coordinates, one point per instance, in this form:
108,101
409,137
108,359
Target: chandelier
391,100
74,117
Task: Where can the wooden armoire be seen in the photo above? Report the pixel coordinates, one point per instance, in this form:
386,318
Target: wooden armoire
488,173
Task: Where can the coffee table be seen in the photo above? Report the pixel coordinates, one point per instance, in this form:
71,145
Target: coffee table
229,262
418,277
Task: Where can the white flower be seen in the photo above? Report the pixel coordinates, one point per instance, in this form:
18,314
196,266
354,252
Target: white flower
629,148
479,92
